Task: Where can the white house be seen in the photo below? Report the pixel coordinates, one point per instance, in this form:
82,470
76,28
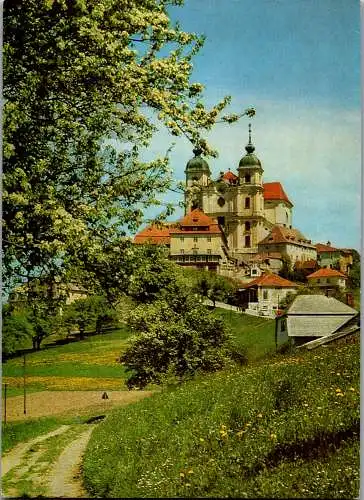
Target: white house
261,297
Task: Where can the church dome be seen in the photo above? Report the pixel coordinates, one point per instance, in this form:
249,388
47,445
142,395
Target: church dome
250,160
197,163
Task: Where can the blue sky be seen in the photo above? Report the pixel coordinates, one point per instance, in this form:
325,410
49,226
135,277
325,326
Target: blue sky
298,63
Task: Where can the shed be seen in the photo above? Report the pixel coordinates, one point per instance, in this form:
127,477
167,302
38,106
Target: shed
312,316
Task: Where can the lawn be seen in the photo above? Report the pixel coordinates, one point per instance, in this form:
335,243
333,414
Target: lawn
255,335
81,365
285,428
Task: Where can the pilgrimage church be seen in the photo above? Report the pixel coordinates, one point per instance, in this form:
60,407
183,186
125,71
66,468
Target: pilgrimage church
233,223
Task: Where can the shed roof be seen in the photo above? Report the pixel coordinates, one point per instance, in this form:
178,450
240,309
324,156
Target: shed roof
318,304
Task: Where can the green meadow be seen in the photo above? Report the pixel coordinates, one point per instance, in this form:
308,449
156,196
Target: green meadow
288,427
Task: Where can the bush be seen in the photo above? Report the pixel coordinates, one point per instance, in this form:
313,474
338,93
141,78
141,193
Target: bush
16,329
179,343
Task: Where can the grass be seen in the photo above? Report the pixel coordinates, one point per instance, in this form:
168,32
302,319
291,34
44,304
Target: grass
288,427
255,335
86,364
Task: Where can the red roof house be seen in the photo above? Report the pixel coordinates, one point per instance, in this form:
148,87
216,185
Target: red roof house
274,191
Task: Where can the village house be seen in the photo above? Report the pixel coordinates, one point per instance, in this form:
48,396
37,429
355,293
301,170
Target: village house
334,258
312,316
262,296
327,279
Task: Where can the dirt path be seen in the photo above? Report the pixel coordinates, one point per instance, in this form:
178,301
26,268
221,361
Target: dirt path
46,403
65,478
15,456
25,470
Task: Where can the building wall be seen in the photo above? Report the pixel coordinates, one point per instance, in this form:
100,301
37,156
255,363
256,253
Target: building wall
294,252
274,295
335,281
278,212
196,243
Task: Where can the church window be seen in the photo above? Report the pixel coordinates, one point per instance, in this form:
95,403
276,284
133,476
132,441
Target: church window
209,238
195,239
221,201
247,178
221,221
247,202
247,226
247,241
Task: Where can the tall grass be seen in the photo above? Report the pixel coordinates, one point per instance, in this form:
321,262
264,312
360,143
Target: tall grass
242,433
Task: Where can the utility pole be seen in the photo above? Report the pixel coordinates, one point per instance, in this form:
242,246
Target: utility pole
25,405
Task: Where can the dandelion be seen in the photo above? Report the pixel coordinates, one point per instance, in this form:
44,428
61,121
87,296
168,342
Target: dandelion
305,404
182,474
240,433
260,415
273,436
338,390
352,389
202,440
190,471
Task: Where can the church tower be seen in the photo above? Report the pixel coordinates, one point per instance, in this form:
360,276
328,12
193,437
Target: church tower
197,178
249,202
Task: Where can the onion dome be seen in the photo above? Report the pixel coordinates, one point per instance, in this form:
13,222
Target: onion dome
197,163
250,160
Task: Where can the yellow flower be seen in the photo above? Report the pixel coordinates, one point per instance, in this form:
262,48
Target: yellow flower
260,415
182,474
338,390
240,433
190,471
273,436
352,389
202,440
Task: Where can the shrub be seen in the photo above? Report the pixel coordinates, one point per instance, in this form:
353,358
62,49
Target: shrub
178,342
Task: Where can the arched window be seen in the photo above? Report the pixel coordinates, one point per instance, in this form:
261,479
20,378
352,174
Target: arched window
247,226
247,241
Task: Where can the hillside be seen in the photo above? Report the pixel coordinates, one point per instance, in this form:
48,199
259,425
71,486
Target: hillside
288,427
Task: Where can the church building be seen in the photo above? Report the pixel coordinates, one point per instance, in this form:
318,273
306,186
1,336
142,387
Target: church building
240,217
248,210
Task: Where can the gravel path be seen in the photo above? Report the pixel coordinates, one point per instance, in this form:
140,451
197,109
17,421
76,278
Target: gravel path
14,457
65,478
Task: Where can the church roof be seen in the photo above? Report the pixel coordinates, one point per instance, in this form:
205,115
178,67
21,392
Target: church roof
197,163
275,191
270,281
155,234
229,177
196,222
327,273
282,234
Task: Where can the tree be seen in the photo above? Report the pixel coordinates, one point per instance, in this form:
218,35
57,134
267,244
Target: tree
354,273
215,287
88,313
174,343
16,329
81,76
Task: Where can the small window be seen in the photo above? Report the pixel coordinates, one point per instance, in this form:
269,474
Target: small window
221,221
283,325
265,294
182,251
209,251
209,238
247,178
247,226
247,202
247,241
182,238
194,252
254,271
221,201
195,239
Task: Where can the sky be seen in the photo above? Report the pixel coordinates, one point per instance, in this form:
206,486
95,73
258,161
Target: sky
297,62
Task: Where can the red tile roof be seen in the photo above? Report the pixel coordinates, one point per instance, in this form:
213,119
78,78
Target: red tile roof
275,191
327,273
320,247
230,177
154,234
196,222
281,234
271,280
306,264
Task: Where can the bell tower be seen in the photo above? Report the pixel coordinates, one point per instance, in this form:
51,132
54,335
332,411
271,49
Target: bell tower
198,176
